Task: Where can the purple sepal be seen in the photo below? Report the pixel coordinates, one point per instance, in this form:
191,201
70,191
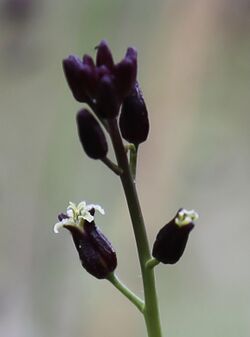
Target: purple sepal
95,251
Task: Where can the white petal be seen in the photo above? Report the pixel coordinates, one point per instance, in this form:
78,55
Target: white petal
57,226
87,216
96,207
195,215
70,213
62,223
67,222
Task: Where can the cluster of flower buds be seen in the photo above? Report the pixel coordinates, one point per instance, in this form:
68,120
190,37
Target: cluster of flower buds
111,91
106,87
104,84
171,240
95,251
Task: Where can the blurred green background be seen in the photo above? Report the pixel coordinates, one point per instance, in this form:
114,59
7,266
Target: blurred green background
194,70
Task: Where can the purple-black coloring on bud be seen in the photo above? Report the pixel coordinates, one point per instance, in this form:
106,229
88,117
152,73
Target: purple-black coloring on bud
91,135
73,70
171,240
103,85
108,103
133,122
95,251
104,55
125,72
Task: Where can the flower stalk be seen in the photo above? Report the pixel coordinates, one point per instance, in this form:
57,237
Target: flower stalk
138,302
151,310
112,166
113,93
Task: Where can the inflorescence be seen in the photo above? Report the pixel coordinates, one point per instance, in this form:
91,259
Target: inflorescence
112,93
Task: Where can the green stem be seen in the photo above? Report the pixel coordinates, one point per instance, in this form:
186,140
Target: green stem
112,166
133,159
151,311
152,263
113,278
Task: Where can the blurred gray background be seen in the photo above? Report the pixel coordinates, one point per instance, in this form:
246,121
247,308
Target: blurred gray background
194,70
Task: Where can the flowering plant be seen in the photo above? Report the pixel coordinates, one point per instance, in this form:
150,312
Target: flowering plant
115,99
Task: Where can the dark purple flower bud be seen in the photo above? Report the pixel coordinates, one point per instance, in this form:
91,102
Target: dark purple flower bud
104,55
73,68
103,85
171,240
89,80
81,77
134,124
91,135
108,103
95,251
88,60
125,72
103,71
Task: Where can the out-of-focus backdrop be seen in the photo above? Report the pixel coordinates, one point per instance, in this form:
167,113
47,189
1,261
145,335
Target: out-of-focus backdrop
194,69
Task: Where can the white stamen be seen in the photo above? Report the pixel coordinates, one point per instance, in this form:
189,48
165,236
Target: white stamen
77,214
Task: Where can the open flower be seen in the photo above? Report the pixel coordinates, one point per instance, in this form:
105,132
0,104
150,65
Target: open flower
95,251
76,214
171,240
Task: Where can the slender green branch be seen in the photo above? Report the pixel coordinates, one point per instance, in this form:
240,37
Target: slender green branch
138,302
152,263
151,311
116,169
